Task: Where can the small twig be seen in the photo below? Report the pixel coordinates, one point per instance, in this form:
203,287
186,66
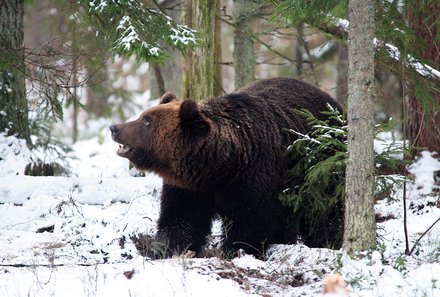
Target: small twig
50,265
405,224
421,236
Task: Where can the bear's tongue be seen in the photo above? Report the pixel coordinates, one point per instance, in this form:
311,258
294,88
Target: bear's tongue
123,149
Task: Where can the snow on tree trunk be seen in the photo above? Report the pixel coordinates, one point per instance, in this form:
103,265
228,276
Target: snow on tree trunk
198,81
424,125
360,227
13,103
243,54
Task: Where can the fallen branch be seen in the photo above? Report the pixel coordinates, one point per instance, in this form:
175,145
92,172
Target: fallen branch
21,265
424,233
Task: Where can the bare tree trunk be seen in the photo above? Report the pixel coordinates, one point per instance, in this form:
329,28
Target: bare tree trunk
424,125
166,75
299,47
342,81
360,226
243,54
13,104
186,62
159,79
198,82
218,77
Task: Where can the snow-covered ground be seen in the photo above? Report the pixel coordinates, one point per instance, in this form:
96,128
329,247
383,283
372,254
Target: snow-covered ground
70,236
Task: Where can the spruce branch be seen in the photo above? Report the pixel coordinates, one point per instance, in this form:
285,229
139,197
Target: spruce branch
135,29
339,31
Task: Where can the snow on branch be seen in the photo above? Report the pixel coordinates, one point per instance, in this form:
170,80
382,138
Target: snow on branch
421,68
394,53
129,34
133,28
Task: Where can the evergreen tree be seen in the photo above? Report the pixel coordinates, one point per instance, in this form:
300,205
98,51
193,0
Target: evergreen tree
315,192
167,75
13,103
424,123
360,225
407,49
126,27
244,60
135,29
200,65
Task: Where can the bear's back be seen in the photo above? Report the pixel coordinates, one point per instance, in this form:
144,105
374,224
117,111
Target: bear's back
273,102
290,93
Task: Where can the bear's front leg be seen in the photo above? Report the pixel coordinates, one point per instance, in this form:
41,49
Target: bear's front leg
185,221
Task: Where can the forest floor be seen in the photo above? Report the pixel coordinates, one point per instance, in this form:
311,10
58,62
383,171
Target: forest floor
70,236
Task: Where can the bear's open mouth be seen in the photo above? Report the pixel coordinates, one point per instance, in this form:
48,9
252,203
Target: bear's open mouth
124,149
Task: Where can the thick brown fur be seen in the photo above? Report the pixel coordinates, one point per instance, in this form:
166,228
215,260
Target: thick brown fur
224,157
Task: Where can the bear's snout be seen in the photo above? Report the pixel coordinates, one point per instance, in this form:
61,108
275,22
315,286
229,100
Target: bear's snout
114,130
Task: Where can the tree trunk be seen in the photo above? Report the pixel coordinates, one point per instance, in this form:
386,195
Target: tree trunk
342,65
299,47
186,62
165,75
13,104
218,77
360,226
243,54
424,125
159,80
198,81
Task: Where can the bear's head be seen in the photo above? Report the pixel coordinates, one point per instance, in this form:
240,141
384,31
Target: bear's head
162,135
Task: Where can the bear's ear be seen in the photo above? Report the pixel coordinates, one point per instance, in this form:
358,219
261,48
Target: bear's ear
193,123
167,97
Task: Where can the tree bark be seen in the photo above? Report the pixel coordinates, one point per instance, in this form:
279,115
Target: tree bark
299,48
186,62
424,125
13,104
218,77
360,226
342,68
198,81
243,54
159,79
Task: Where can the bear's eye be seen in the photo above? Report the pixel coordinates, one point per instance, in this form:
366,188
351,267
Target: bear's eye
146,122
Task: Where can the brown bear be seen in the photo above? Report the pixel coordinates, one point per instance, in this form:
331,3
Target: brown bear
224,157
